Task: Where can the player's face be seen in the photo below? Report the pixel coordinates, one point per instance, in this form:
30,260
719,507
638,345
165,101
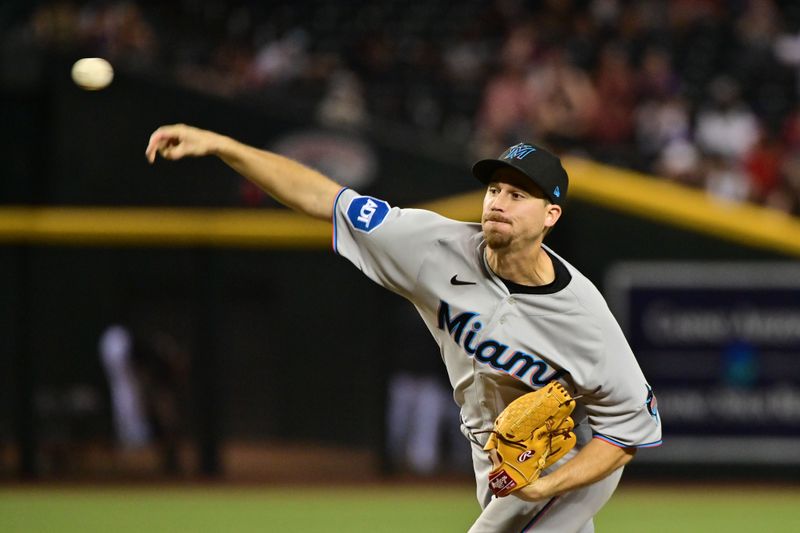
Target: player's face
515,211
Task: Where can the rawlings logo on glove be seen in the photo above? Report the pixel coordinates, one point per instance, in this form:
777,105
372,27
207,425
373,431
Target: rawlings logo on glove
533,432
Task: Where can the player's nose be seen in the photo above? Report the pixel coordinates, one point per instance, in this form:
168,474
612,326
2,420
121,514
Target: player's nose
498,202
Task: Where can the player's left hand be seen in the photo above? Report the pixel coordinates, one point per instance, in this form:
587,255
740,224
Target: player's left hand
532,433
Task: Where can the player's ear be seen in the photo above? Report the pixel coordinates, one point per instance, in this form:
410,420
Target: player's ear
552,215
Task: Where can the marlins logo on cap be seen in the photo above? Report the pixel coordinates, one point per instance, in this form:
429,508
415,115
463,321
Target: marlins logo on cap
519,151
539,165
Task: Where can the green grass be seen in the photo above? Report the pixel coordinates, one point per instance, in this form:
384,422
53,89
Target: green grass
378,509
705,510
122,510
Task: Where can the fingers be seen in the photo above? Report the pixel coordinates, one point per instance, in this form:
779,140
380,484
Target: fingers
172,152
165,141
495,458
158,142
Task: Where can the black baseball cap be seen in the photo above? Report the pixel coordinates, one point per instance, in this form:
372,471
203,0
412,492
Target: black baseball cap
540,166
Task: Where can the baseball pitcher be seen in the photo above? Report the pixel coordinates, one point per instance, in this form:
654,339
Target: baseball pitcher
551,396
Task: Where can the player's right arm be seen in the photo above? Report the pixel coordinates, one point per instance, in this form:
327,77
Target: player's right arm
291,183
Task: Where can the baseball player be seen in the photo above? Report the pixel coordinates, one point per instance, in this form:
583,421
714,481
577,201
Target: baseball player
509,314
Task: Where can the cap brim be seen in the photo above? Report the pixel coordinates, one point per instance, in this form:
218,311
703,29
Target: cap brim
484,169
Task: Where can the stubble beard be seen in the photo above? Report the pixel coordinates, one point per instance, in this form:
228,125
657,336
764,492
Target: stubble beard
496,240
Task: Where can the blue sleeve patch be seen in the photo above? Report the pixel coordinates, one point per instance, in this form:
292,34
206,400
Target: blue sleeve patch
366,213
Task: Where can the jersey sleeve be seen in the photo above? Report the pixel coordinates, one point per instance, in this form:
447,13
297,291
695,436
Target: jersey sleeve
387,243
621,406
627,418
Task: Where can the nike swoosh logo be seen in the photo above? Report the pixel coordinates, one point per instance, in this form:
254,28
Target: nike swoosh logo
455,281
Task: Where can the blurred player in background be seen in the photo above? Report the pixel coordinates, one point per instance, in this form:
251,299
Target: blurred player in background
422,429
508,314
148,374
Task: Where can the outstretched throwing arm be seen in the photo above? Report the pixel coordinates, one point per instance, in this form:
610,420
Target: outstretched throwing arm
291,183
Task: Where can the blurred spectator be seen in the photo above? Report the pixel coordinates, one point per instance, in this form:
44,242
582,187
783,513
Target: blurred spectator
757,26
565,104
661,122
466,58
281,60
726,126
506,112
763,164
680,161
119,32
343,103
725,178
786,196
657,78
56,24
616,90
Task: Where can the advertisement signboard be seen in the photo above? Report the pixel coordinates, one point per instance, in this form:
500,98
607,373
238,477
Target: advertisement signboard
720,345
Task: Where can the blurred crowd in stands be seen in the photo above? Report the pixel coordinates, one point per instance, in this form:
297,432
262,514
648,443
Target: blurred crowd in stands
703,92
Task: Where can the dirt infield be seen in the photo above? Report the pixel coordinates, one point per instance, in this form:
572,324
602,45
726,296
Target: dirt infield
245,463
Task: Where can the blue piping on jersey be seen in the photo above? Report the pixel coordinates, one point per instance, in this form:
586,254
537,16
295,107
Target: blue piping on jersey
619,444
333,218
539,515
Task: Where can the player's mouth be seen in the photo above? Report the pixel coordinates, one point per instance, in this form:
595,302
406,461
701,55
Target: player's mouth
496,218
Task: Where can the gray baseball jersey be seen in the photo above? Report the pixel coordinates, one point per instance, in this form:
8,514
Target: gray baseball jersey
498,342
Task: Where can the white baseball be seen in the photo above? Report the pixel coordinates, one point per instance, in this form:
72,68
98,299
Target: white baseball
92,73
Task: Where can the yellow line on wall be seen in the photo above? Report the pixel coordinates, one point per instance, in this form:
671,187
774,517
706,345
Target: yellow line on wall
615,189
162,227
656,199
